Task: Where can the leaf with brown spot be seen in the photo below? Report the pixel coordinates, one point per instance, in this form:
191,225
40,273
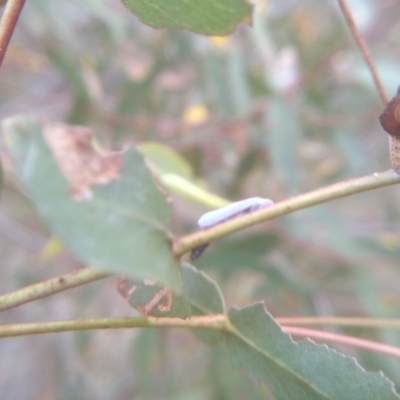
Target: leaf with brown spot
150,298
122,227
79,162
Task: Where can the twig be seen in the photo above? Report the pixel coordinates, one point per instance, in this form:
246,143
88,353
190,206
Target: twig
189,242
394,142
215,322
49,287
346,340
364,50
7,24
341,321
218,322
322,195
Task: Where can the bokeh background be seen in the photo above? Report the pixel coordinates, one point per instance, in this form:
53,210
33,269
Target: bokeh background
273,110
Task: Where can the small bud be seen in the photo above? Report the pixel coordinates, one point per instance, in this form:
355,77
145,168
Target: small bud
390,118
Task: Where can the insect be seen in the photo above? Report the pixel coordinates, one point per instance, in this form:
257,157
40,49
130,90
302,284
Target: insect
226,213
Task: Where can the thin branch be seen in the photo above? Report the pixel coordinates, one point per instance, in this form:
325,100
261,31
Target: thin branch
215,322
364,50
346,340
189,242
8,22
342,321
49,287
322,195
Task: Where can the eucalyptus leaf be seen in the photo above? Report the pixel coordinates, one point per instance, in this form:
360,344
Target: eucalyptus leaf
208,17
166,159
202,297
301,371
119,222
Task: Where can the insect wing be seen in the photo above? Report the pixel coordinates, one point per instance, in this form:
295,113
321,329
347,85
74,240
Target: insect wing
232,210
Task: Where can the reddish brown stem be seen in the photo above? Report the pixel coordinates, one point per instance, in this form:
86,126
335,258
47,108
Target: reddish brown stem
9,20
343,339
394,143
364,50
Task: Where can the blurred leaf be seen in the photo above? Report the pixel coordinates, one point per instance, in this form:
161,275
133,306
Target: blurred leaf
239,253
301,370
204,294
283,135
247,163
121,226
68,65
1,176
166,159
367,289
195,114
219,85
236,70
149,349
351,148
205,298
176,174
207,17
251,253
51,249
387,245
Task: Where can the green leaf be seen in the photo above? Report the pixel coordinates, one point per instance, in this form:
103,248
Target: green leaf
166,159
202,296
154,299
282,142
205,298
120,224
176,174
148,353
233,253
301,370
208,17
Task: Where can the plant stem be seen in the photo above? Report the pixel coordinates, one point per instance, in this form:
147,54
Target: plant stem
8,22
394,142
218,322
214,322
49,287
322,195
342,321
189,242
343,339
364,50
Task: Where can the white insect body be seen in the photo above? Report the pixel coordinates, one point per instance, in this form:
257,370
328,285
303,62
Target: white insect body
233,210
226,213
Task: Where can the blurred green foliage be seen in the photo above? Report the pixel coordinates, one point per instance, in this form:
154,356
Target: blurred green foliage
273,110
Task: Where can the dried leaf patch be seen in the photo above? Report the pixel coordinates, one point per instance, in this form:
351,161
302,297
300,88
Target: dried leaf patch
81,164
